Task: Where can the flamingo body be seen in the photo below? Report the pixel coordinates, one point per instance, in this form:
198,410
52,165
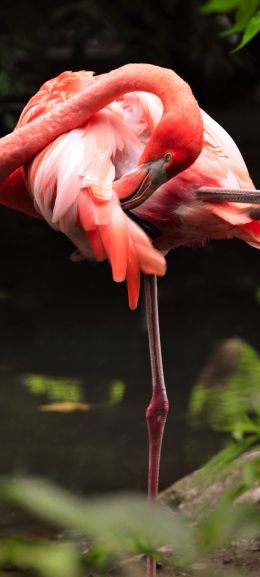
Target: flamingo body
182,219
71,180
73,183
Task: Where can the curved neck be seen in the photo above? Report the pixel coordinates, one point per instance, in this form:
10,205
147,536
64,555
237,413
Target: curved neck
19,146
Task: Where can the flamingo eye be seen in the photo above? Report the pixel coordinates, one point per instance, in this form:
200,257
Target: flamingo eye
168,157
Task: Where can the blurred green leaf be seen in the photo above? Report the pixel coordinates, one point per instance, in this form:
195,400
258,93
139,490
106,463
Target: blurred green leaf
48,559
225,523
219,6
247,17
224,461
231,407
239,429
257,294
117,391
119,521
118,526
252,29
244,13
99,558
57,388
199,400
251,472
227,405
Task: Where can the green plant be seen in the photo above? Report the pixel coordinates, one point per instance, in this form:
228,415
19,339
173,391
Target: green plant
101,533
246,17
232,407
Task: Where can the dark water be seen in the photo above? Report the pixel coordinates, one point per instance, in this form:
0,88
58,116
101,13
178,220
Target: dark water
70,321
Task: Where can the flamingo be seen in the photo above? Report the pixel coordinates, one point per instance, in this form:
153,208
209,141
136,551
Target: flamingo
128,167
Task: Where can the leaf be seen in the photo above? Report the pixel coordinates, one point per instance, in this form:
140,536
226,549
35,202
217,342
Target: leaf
60,389
199,400
226,522
245,12
252,29
219,6
238,429
227,405
98,558
117,392
251,473
48,559
223,462
119,522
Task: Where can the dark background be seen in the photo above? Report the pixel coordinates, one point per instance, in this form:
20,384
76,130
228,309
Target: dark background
70,320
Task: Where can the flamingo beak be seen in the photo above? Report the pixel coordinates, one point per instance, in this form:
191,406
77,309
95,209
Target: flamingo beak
240,195
136,186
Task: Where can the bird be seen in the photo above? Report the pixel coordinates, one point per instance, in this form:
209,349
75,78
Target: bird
128,166
187,210
91,155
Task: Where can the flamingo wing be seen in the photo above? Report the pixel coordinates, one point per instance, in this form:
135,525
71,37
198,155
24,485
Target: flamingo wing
71,180
14,194
234,175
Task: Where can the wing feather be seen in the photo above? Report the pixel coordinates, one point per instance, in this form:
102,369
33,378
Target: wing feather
71,180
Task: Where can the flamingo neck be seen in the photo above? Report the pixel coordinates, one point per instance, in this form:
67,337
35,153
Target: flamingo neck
23,143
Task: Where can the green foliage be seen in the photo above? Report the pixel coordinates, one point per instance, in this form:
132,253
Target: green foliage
117,526
126,518
235,406
223,462
66,394
103,532
251,30
244,14
98,534
246,19
219,6
223,522
45,558
232,407
117,391
56,388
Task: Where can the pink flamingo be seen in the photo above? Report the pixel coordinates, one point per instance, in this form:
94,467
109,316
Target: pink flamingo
110,158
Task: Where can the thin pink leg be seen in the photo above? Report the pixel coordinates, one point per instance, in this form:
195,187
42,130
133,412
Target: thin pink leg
157,410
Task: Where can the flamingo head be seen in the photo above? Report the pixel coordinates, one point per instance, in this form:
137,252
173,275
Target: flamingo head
175,144
136,186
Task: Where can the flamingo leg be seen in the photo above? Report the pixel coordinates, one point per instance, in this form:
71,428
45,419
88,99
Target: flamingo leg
157,410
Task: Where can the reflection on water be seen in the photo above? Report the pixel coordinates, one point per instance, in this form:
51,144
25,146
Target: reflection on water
67,336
